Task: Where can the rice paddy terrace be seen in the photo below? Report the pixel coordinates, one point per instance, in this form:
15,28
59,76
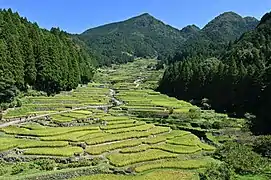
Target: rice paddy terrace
117,127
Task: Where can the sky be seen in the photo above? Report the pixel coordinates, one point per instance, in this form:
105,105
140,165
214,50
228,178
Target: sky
76,16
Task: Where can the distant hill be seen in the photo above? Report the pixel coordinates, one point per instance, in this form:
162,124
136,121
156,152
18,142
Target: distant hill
215,36
139,36
146,36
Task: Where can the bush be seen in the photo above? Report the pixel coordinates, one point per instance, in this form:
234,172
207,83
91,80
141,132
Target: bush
262,145
45,164
241,158
217,125
3,170
194,113
206,125
18,168
19,103
217,172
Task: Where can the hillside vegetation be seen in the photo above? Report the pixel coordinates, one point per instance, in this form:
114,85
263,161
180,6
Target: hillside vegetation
237,82
48,61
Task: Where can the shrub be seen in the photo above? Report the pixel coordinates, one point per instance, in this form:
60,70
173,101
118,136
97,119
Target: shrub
194,113
3,170
45,164
262,145
217,172
19,103
18,168
241,158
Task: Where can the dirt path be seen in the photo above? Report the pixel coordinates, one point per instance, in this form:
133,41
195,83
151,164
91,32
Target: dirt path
116,102
137,82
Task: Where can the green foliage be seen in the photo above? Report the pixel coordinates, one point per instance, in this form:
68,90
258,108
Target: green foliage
18,168
45,164
241,158
241,74
141,36
217,172
50,61
262,145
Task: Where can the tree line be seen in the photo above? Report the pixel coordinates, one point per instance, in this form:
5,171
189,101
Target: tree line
45,60
238,81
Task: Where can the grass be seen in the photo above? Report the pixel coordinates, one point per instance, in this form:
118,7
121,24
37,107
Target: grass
62,151
175,164
95,150
118,159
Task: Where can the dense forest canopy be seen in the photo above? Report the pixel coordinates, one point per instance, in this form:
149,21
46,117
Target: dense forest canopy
214,37
141,36
237,81
49,61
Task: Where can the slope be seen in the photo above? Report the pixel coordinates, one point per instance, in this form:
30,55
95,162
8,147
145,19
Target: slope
215,36
139,36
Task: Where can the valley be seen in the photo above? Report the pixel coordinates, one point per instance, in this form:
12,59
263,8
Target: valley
115,125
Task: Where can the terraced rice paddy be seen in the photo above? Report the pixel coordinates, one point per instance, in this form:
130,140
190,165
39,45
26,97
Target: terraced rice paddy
134,137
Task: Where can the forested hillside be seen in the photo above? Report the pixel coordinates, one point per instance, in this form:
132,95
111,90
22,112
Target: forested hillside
141,36
238,82
45,60
215,36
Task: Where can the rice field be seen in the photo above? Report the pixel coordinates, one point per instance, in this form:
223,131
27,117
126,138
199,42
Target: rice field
137,137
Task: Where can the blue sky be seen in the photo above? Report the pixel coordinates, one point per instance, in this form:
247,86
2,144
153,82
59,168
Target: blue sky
75,16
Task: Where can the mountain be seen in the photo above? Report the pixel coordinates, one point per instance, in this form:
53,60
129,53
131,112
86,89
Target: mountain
190,30
215,36
238,81
49,61
138,36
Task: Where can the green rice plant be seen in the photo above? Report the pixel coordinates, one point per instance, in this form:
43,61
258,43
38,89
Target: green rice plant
155,140
118,126
60,118
115,118
48,131
11,142
32,126
206,147
85,112
6,146
187,140
127,135
34,144
144,127
155,175
176,164
180,149
121,122
136,149
118,159
71,136
62,151
89,137
95,150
